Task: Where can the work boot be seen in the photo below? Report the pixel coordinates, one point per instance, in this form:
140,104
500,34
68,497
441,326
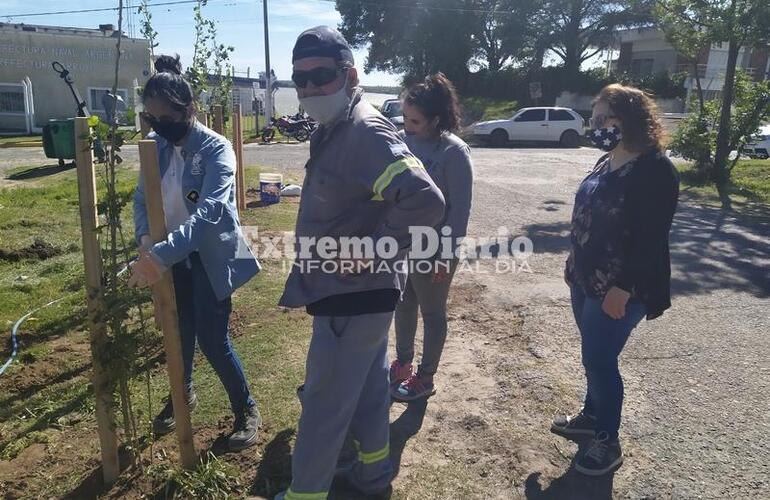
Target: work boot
164,422
245,429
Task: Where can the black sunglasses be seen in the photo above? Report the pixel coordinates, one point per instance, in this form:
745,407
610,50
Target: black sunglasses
319,76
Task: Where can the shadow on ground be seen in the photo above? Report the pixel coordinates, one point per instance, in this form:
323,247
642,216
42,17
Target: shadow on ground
37,172
404,428
571,485
712,249
274,471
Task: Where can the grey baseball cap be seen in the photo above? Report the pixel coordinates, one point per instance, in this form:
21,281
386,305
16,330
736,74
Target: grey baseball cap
323,41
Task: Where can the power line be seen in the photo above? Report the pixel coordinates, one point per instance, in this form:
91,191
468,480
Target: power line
417,6
421,6
102,9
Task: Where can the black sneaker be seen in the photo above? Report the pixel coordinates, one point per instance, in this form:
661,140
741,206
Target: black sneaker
574,426
601,456
245,429
164,422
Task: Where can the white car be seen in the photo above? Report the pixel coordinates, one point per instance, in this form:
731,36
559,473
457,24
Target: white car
562,125
760,147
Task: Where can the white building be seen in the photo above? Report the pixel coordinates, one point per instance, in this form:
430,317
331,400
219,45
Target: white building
645,51
31,92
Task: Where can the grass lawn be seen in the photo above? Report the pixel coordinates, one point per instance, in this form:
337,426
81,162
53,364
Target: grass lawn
11,140
750,180
481,109
45,395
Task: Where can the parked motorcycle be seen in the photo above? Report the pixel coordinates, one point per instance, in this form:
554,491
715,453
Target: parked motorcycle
297,127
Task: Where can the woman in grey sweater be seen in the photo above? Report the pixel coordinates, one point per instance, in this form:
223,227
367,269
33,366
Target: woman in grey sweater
431,115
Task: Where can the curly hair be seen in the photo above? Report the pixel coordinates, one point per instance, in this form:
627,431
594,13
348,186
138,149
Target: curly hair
638,114
436,97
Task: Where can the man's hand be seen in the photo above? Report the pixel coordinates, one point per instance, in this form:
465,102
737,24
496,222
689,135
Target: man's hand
145,271
614,304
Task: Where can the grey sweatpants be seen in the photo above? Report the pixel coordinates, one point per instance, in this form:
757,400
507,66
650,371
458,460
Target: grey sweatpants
431,298
346,390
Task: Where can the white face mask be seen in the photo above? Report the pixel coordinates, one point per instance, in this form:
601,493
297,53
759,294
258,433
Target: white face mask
326,108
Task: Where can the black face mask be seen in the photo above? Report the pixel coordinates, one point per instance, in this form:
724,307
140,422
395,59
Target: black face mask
173,132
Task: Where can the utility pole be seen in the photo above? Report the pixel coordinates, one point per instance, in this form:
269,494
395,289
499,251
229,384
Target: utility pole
268,89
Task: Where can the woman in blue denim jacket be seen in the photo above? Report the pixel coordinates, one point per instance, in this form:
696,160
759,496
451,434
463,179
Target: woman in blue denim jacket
205,249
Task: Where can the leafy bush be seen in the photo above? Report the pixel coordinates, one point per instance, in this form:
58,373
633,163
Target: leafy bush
513,83
481,108
695,139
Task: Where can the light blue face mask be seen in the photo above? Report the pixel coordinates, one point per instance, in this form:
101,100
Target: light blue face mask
326,108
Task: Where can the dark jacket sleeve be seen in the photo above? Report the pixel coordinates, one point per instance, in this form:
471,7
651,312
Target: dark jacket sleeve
650,204
395,176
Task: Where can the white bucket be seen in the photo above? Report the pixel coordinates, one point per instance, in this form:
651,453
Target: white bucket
270,188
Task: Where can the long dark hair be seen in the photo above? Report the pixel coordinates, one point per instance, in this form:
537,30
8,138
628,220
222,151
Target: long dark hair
169,85
436,97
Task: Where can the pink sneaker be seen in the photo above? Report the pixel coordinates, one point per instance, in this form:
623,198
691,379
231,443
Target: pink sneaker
399,372
415,387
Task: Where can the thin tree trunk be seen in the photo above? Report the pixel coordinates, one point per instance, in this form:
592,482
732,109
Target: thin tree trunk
698,88
721,170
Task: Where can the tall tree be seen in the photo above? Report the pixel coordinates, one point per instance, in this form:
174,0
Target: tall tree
739,24
577,30
412,39
505,30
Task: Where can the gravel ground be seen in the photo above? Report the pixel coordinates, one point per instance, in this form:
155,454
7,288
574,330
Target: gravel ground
698,378
696,420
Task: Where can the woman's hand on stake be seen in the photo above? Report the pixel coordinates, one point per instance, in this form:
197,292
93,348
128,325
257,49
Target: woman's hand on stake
614,304
145,271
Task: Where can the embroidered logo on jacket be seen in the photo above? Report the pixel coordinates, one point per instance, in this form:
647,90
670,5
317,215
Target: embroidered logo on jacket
193,196
196,165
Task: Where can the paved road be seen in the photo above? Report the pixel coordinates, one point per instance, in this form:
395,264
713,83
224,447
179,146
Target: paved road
697,379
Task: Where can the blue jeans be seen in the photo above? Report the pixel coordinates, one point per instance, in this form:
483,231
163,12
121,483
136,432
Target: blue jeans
603,339
203,317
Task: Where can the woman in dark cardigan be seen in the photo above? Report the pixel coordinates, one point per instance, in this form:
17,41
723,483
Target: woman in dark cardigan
618,269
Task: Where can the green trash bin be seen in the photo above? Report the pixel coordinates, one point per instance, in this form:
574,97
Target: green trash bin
59,139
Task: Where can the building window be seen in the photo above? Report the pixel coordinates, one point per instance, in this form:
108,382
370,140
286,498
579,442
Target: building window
641,67
96,97
11,98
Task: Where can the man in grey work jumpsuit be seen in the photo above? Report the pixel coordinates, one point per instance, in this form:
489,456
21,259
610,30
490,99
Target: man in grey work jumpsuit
361,181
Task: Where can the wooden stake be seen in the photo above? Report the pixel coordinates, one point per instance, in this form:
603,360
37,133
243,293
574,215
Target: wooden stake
165,301
92,258
203,117
240,175
219,120
145,128
145,131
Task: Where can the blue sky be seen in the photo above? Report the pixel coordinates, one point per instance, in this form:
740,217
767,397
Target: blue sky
239,24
